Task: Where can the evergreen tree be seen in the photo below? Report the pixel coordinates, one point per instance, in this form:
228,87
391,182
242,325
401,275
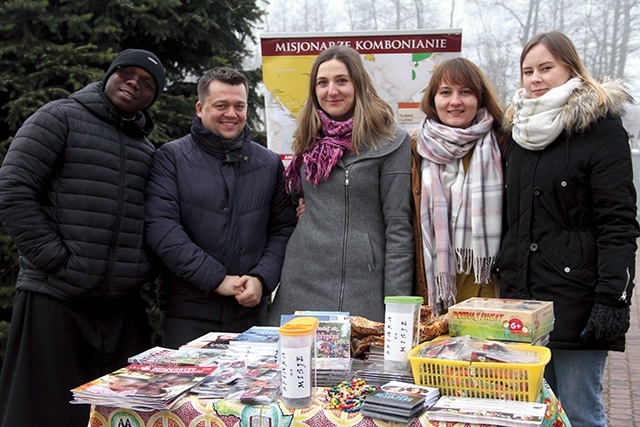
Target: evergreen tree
50,49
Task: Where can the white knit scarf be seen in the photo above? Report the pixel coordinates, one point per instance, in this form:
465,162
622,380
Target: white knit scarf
538,122
461,214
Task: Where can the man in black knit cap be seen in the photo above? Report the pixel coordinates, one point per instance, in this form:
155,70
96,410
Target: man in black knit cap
72,199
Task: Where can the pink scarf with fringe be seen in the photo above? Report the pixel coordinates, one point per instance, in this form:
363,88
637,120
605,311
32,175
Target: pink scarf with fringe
334,138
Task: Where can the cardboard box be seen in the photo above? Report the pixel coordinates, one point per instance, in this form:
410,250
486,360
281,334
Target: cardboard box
501,319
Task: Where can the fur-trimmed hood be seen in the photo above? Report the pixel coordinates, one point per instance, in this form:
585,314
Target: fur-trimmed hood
583,108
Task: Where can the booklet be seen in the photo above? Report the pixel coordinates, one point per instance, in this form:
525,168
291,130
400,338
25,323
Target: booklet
393,406
431,394
508,413
374,412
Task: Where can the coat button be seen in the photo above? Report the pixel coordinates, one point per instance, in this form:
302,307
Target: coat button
533,247
536,190
563,183
567,270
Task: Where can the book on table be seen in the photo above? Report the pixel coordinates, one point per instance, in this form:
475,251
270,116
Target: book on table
508,413
393,406
431,394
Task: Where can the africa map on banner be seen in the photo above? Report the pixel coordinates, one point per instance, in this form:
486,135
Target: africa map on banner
400,64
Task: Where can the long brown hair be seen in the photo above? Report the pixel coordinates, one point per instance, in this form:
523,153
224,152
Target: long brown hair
372,115
565,52
461,71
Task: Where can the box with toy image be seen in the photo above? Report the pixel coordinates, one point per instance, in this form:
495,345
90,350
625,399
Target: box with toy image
501,319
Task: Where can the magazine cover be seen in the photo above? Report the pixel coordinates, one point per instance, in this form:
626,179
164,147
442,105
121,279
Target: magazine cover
265,336
184,357
141,387
430,394
212,340
388,399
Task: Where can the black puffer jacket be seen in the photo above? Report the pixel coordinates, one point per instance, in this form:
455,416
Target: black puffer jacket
571,218
72,198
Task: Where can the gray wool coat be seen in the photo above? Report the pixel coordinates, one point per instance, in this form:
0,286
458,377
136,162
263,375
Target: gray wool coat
354,243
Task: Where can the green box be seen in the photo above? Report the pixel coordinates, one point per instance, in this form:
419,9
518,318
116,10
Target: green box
501,319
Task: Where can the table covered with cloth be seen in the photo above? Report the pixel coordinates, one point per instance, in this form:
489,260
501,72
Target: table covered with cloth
190,411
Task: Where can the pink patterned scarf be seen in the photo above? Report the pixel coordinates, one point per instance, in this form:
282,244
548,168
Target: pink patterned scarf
334,138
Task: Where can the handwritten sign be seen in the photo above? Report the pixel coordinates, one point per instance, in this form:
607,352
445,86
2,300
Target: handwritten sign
296,372
398,339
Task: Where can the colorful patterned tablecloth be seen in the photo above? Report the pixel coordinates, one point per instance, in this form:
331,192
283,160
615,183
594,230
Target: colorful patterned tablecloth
193,412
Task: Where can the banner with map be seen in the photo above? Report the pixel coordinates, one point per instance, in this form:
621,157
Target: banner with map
399,62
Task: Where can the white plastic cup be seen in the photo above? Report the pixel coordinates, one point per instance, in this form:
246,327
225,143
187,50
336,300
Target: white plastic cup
401,330
297,357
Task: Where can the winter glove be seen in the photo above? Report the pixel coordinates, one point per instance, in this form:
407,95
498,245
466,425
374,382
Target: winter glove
609,319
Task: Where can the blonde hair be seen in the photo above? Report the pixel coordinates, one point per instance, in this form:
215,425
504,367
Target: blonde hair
565,52
461,71
372,116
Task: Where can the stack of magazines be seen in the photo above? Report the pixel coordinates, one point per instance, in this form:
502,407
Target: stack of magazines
374,374
399,401
142,387
258,343
250,383
183,357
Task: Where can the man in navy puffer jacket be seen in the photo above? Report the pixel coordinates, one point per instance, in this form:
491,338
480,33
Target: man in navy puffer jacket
218,217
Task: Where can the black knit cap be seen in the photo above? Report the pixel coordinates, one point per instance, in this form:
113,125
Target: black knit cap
143,59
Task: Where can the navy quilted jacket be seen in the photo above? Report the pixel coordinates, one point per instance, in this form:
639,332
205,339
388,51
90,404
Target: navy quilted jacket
209,215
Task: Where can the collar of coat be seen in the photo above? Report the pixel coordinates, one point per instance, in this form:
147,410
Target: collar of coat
383,146
583,108
228,151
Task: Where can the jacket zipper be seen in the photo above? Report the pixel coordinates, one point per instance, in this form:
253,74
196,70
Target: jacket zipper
116,228
345,236
623,297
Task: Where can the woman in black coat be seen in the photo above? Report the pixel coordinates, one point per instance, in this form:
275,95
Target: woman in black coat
570,216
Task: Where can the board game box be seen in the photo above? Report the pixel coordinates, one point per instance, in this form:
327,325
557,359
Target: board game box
501,319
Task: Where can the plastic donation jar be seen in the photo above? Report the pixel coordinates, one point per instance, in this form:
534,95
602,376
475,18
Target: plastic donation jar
401,330
297,356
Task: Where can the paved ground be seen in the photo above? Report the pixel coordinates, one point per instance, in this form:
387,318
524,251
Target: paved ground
622,373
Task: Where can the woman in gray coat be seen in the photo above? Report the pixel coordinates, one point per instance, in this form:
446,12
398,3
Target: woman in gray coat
354,244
